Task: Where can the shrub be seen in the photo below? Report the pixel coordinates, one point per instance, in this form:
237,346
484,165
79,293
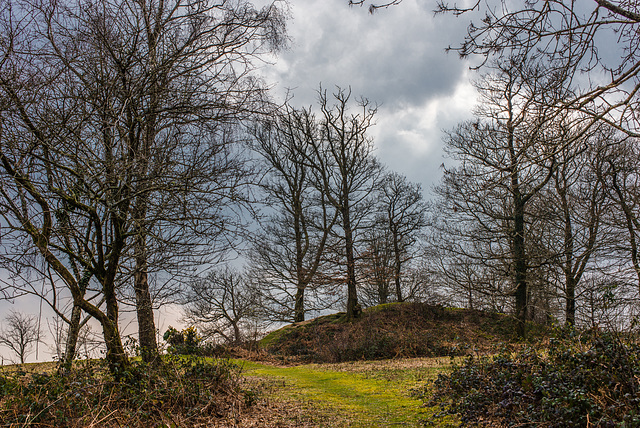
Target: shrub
590,379
181,392
185,342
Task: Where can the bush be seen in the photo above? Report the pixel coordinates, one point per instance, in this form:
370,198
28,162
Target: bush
185,342
580,380
181,392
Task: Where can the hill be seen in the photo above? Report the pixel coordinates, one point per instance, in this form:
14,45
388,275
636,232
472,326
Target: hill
392,330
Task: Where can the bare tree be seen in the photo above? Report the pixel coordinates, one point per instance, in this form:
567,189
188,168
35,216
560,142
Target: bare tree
289,251
345,171
222,304
376,268
463,262
403,212
20,332
573,210
619,172
505,159
115,135
599,38
571,38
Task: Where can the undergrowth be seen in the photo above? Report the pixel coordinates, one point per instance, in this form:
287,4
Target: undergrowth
401,330
578,380
179,392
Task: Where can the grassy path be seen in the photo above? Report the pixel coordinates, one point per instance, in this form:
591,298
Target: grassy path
365,394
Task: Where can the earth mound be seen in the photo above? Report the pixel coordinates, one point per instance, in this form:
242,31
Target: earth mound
393,330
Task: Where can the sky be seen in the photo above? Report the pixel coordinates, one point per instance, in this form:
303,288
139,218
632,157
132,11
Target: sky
395,58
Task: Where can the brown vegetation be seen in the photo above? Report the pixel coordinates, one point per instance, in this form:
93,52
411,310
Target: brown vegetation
185,392
392,331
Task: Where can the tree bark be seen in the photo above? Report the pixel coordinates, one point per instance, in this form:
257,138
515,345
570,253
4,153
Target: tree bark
144,309
352,293
397,267
520,270
299,305
71,342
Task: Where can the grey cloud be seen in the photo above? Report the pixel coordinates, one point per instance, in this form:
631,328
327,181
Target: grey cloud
394,57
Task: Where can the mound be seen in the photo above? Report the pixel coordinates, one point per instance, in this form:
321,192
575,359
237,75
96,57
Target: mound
391,331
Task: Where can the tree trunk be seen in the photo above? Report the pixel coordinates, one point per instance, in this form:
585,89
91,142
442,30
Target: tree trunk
72,340
299,305
570,319
353,308
397,267
298,310
237,334
116,357
383,291
144,308
520,269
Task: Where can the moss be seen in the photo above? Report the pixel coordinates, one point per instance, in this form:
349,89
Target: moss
275,336
382,307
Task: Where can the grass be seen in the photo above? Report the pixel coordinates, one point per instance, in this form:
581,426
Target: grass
351,394
46,367
356,394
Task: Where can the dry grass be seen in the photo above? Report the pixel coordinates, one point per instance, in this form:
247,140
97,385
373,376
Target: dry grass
392,331
181,392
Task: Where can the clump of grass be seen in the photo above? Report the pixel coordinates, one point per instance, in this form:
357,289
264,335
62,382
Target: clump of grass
179,392
589,379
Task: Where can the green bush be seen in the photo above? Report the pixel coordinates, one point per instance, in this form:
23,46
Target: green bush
590,379
185,342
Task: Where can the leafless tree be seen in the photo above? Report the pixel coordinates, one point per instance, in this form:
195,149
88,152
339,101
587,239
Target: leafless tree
505,158
389,243
20,332
403,213
222,304
462,263
117,119
619,172
596,38
345,171
376,267
592,44
573,210
287,254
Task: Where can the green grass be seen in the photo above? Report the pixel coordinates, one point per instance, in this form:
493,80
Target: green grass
364,394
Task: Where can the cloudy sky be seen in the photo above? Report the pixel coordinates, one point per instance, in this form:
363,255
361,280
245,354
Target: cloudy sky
395,58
